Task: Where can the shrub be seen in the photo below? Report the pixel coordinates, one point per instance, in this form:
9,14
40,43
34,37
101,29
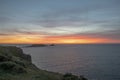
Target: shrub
19,69
1,78
7,65
4,58
11,67
69,76
21,63
82,78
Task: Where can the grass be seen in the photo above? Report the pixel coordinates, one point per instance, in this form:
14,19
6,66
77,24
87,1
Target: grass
14,65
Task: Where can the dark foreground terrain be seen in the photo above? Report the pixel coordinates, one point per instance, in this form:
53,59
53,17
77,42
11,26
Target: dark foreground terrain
14,65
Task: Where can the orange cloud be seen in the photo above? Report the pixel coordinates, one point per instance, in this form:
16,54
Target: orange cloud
66,39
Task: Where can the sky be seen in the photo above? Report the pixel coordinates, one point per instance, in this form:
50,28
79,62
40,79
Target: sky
60,21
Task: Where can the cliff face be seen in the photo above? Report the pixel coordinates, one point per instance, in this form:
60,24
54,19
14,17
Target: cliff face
14,64
14,51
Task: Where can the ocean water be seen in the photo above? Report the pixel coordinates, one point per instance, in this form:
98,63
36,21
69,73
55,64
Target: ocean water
96,62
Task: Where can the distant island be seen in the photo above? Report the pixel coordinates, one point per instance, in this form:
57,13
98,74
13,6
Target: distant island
37,45
15,65
40,45
52,45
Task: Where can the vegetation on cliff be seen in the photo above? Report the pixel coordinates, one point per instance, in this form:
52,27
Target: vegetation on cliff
14,65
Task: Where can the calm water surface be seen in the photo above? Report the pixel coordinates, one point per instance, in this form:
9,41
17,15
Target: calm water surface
96,62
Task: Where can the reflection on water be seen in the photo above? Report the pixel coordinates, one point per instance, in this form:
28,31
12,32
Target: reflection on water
99,62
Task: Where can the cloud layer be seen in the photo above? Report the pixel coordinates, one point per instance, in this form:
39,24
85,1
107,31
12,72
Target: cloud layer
50,19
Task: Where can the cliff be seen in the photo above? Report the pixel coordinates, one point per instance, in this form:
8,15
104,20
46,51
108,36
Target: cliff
15,65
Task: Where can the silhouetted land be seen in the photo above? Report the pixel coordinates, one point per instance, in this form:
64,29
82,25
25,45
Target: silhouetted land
37,45
14,65
40,45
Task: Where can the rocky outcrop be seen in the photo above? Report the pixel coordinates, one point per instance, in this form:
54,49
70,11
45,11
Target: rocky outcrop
14,64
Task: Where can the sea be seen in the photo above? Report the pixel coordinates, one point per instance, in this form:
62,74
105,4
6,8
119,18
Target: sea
94,61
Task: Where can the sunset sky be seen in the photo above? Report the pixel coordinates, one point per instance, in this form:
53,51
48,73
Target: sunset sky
60,21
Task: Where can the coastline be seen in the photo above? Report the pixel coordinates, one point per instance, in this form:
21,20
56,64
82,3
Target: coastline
14,64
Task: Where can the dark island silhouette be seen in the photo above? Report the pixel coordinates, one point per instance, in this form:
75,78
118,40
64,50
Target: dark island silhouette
52,45
40,45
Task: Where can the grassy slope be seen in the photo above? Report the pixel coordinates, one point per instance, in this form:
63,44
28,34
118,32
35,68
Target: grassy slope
14,65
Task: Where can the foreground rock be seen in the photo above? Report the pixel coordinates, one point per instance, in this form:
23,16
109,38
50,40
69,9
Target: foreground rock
14,65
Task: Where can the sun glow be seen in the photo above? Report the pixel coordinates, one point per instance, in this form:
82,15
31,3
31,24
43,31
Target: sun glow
71,39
